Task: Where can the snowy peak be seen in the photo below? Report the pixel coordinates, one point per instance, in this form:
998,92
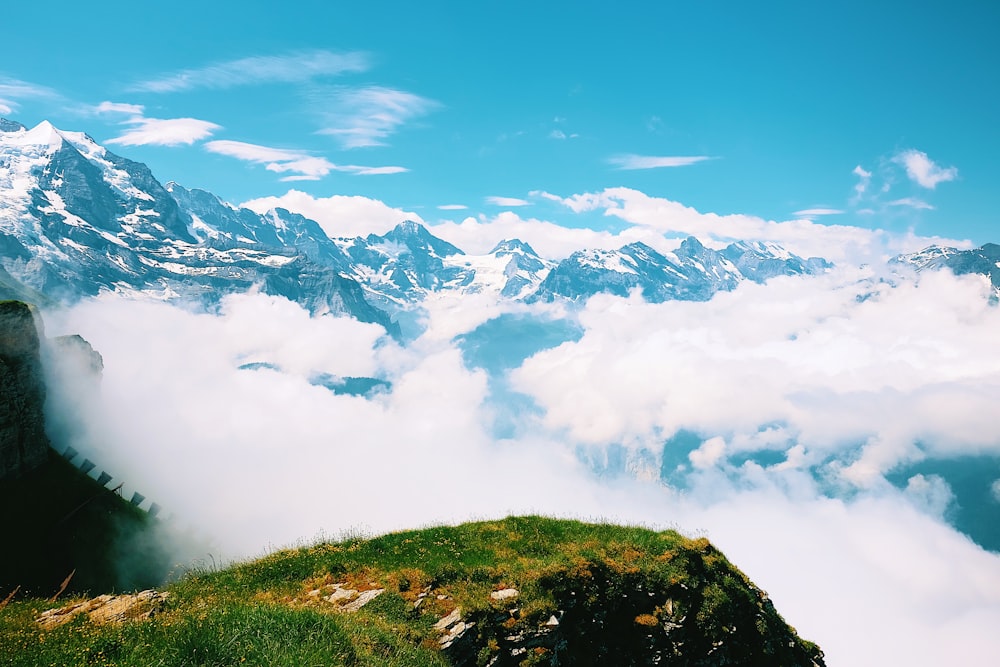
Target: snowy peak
76,219
513,247
984,260
693,272
7,125
931,257
415,236
691,247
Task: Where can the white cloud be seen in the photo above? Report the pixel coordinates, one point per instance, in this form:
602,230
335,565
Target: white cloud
360,117
280,160
302,165
253,152
834,568
452,207
507,201
164,132
911,202
12,90
293,67
557,134
708,454
838,243
549,239
338,215
371,171
922,170
930,493
811,212
864,178
119,108
857,382
626,162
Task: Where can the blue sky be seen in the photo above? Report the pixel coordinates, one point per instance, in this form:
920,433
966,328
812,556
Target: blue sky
782,112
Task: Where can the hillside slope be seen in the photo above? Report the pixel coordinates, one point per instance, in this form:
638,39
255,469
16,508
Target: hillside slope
520,591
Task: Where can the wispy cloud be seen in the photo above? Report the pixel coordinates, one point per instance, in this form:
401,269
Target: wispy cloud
293,67
360,117
560,135
371,171
338,215
452,207
107,107
12,90
922,170
629,162
507,201
153,131
279,160
811,212
164,132
300,165
864,178
912,202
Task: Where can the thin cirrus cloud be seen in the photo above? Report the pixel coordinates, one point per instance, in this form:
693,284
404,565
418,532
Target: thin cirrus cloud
293,67
631,162
452,207
812,212
12,90
300,165
507,201
911,202
924,171
360,117
119,107
864,179
164,132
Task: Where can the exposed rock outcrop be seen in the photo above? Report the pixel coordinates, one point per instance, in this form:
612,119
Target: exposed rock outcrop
23,443
107,609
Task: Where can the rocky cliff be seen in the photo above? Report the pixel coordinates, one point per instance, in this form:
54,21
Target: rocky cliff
23,443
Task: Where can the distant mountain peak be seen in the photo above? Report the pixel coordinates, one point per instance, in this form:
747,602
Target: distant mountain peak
414,235
43,135
509,246
7,125
690,246
411,228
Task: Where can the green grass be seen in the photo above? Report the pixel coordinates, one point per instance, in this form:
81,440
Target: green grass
614,587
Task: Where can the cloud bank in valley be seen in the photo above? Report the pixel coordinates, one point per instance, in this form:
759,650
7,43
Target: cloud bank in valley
841,387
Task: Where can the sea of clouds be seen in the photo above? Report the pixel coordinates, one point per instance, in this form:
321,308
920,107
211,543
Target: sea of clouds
839,379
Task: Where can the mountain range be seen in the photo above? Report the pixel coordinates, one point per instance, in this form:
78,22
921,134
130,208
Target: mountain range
77,220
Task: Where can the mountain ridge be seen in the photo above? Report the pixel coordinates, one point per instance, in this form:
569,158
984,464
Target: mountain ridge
77,220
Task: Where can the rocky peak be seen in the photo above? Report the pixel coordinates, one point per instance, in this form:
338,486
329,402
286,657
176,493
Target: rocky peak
512,246
23,444
7,125
416,237
691,247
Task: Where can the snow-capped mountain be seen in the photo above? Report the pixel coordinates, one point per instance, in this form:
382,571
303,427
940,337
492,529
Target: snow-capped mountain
76,220
692,273
984,260
403,265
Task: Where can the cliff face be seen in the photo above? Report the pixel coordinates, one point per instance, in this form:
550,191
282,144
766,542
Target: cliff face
23,443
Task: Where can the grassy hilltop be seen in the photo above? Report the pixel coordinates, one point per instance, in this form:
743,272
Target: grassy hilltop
519,591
